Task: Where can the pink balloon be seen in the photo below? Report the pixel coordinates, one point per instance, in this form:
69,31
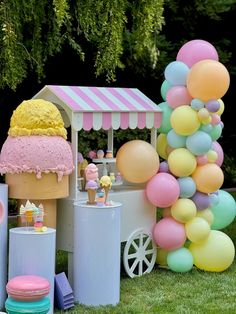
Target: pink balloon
178,96
215,119
162,190
218,149
202,160
195,51
169,234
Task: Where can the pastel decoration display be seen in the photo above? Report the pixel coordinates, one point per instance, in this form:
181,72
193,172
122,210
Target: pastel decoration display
91,172
199,143
196,50
208,79
208,178
165,86
180,260
197,104
175,140
197,229
183,210
187,187
184,120
220,153
162,190
92,154
28,288
3,242
182,163
100,154
138,161
178,96
161,257
165,122
201,200
216,132
215,254
169,234
224,212
161,145
176,73
36,307
206,214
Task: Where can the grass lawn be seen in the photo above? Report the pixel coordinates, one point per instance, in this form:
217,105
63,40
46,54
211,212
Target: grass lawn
163,291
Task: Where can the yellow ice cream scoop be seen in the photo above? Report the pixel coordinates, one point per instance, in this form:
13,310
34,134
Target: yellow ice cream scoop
37,117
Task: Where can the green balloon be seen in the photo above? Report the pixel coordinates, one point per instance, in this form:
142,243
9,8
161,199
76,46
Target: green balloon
165,122
165,86
216,131
224,211
180,260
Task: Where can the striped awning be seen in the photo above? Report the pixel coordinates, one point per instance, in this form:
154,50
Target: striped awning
103,107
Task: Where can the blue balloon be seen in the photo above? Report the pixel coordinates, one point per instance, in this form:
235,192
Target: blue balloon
187,187
199,143
176,73
197,104
224,212
180,260
176,140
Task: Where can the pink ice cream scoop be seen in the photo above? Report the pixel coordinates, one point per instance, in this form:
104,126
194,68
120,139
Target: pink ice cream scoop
28,288
91,172
36,154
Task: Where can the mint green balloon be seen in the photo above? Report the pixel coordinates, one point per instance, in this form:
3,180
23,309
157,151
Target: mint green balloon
224,211
165,86
216,131
180,260
165,122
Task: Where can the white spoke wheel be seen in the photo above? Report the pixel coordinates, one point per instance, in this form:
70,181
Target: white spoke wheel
139,254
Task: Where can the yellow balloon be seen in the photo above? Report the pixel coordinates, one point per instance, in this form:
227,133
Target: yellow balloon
183,210
184,120
222,107
206,214
203,114
197,229
137,161
207,120
212,156
182,162
161,257
208,178
208,79
162,145
215,254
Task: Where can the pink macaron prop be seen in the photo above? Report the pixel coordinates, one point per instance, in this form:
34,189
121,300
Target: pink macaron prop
28,288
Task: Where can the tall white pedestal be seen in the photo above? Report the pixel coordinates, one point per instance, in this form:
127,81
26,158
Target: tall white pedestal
3,242
33,253
96,258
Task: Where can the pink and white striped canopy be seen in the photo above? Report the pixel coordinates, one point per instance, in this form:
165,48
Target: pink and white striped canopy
103,107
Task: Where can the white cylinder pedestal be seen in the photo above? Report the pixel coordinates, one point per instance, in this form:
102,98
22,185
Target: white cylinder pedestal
33,253
96,258
3,242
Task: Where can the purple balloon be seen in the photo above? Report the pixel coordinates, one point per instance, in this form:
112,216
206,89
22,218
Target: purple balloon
212,105
164,167
201,200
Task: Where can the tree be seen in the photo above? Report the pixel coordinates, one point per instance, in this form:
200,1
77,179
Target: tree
31,31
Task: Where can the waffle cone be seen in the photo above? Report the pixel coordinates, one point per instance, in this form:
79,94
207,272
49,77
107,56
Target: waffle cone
91,196
106,190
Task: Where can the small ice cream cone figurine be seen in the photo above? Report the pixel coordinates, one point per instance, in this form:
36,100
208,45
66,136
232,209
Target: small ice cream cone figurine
91,187
36,158
83,165
105,184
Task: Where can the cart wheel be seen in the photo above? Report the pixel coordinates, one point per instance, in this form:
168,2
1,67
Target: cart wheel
139,254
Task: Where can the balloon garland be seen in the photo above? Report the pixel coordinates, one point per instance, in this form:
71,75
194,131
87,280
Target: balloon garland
187,185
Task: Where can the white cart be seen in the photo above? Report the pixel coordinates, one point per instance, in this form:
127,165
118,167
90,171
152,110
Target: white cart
108,109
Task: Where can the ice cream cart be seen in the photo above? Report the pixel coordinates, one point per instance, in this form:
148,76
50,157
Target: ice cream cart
109,109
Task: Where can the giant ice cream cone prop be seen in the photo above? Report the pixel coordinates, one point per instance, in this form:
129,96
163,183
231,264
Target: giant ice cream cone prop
36,157
105,184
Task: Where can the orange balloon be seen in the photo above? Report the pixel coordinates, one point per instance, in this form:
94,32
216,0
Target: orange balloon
208,178
208,79
137,161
